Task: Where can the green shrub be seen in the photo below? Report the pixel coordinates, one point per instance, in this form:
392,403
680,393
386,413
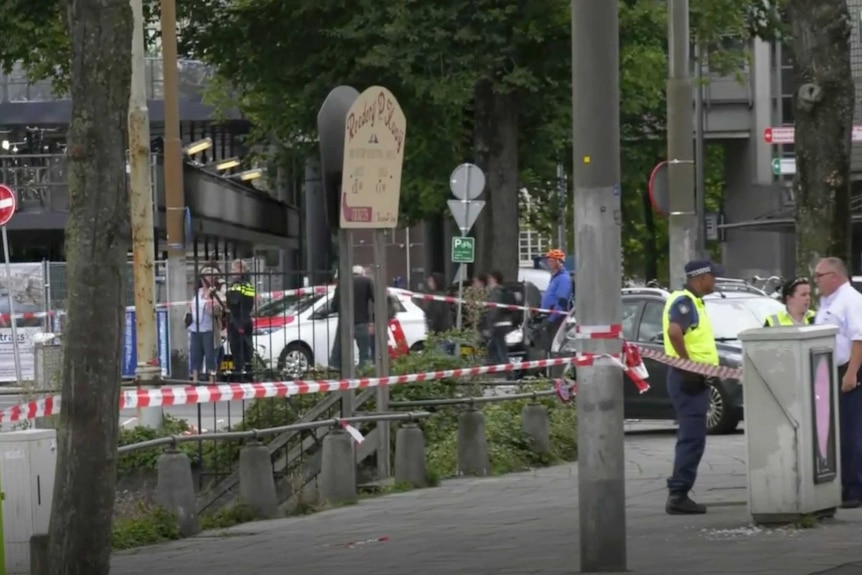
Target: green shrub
228,517
149,526
145,461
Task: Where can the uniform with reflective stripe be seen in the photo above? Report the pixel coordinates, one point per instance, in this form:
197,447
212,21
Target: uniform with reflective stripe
699,338
784,318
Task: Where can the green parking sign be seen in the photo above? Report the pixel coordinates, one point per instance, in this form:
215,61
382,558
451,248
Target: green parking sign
463,250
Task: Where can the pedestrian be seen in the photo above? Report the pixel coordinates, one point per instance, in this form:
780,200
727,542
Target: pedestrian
841,305
688,335
201,323
438,314
497,321
557,297
363,301
796,296
240,303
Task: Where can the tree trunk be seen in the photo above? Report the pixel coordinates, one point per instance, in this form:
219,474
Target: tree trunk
97,241
496,147
823,106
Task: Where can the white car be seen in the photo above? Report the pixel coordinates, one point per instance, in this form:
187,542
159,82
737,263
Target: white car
296,333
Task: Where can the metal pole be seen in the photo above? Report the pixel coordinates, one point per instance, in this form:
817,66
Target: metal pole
462,268
12,319
407,257
174,195
147,369
381,335
682,220
596,178
346,315
561,205
699,154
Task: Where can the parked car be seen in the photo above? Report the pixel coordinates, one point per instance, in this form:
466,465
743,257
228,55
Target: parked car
296,333
730,312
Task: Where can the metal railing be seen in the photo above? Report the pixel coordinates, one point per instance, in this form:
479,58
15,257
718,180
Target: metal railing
255,434
471,401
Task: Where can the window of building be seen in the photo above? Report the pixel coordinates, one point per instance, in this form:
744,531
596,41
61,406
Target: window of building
788,82
787,116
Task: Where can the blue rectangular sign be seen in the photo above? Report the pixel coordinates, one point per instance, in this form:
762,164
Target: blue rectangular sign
130,343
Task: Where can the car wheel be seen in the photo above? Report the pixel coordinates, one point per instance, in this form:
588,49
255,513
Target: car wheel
418,347
720,419
295,360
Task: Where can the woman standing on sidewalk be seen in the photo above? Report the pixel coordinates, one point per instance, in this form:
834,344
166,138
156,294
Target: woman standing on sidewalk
201,322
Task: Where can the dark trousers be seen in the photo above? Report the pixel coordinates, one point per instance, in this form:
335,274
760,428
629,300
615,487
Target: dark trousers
850,414
241,348
498,353
690,397
363,341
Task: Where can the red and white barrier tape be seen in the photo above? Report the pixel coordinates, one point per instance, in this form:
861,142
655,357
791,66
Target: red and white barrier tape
719,371
190,395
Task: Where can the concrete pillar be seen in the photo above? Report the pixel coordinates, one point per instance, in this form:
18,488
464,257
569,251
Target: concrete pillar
256,482
472,445
337,481
410,456
175,490
39,555
534,422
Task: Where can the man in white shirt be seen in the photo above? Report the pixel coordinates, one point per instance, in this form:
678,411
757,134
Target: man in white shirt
841,305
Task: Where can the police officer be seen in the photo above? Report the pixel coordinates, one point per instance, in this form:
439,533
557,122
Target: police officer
688,334
240,303
796,296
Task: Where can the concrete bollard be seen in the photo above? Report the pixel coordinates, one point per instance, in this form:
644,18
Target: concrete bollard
39,555
256,482
337,483
410,456
175,490
534,422
472,445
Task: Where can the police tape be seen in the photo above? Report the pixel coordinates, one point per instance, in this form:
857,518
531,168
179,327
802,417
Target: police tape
302,292
191,395
716,371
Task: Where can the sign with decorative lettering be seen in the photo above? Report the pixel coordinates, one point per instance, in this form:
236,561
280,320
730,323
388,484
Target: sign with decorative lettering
374,134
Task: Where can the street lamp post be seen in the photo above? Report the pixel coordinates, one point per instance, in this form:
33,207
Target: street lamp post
147,369
174,195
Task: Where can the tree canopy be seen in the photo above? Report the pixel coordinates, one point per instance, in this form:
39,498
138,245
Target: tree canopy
488,82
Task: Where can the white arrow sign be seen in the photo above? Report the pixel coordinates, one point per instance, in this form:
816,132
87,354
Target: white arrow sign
465,213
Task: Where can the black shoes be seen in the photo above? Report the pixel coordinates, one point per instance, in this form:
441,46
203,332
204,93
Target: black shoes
851,504
683,505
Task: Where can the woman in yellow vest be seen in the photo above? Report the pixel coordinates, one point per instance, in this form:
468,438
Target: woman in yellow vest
796,297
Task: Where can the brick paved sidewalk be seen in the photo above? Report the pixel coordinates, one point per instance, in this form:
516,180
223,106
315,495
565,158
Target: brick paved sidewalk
521,524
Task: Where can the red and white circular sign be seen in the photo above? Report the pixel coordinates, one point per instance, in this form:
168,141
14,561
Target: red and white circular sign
8,204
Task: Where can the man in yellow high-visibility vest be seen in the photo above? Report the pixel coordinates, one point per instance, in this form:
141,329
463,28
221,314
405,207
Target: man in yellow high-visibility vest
688,334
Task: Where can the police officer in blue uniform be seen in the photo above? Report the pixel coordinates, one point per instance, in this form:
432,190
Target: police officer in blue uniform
688,335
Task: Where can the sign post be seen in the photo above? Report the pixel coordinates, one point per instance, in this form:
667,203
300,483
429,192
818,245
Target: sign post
8,205
374,132
467,183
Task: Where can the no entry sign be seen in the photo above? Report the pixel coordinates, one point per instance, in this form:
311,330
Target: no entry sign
8,204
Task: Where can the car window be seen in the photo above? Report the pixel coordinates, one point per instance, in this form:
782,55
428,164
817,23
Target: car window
733,315
651,321
396,305
630,318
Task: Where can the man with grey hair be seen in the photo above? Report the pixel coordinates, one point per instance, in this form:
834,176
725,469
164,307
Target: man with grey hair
841,306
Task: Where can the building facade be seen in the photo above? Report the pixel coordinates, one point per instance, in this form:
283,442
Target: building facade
757,230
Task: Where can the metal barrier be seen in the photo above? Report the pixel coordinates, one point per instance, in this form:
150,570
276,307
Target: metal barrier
255,434
470,401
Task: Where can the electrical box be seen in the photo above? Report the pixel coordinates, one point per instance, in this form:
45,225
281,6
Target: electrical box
28,462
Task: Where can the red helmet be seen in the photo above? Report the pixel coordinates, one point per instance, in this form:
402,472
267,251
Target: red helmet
555,254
